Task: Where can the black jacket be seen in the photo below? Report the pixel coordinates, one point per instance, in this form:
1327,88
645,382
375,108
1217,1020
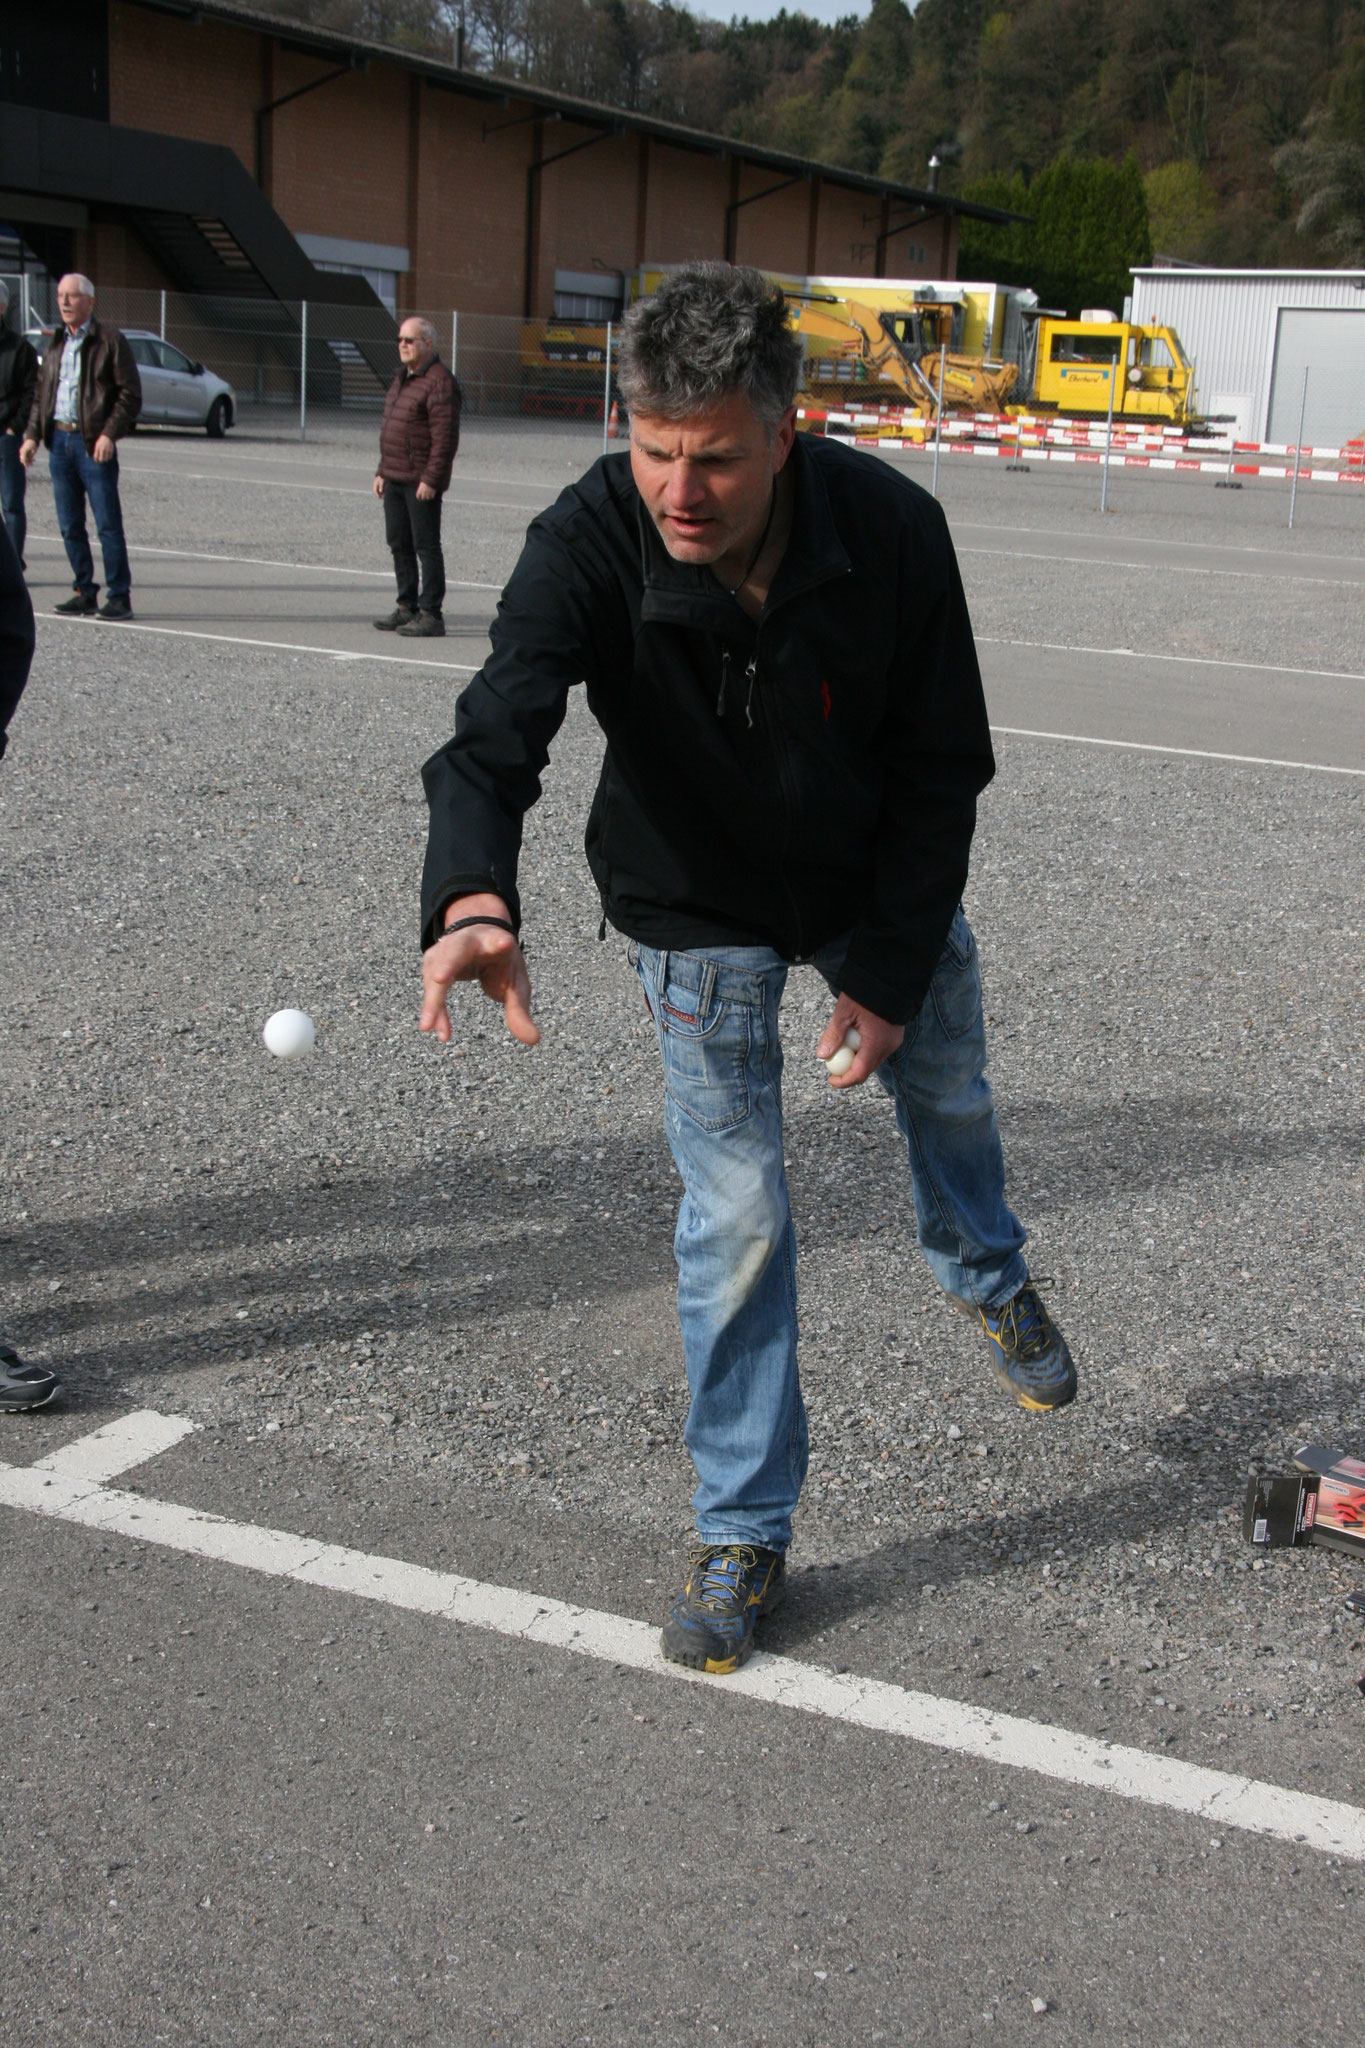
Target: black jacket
16,632
848,802
18,379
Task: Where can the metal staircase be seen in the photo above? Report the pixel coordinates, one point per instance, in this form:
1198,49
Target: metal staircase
221,240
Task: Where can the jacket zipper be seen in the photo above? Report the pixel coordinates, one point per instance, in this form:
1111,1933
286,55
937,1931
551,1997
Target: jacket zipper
788,795
779,746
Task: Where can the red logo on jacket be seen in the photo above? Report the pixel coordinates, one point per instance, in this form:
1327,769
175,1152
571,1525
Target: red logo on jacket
824,697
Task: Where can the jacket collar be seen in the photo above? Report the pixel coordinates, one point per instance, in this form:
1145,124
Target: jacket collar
687,594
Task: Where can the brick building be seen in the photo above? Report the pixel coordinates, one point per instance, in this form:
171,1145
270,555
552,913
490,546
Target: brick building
201,146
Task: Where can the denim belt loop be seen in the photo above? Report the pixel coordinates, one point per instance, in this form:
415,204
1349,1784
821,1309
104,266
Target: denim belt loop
661,970
707,989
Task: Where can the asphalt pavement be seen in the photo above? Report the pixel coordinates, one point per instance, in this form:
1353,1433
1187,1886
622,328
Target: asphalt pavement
417,1307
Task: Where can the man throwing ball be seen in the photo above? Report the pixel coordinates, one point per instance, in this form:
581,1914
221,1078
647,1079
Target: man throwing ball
774,639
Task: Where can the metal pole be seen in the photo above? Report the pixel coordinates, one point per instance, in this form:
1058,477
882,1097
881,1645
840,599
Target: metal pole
606,395
1109,431
1018,462
1298,445
163,316
1229,482
938,424
454,344
303,371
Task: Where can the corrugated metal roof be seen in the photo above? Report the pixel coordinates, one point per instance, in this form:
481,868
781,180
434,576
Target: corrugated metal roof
1228,320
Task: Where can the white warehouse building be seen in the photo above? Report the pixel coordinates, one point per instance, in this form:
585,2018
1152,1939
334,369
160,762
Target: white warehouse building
1252,335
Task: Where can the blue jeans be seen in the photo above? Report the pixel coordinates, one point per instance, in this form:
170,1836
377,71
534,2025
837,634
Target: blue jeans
716,1019
13,478
77,476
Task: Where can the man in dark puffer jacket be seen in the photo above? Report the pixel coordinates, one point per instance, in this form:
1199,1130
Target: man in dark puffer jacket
418,438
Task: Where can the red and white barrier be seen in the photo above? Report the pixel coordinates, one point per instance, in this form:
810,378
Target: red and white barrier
1056,437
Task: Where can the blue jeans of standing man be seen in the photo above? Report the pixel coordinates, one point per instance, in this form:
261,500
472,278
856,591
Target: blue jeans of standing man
13,478
77,476
716,1019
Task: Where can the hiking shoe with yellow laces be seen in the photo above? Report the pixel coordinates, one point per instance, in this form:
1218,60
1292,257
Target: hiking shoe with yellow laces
729,1587
1028,1351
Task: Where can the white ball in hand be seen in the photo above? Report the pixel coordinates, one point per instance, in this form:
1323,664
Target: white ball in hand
289,1034
839,1062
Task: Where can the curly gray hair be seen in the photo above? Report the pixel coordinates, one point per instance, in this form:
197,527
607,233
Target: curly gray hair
710,330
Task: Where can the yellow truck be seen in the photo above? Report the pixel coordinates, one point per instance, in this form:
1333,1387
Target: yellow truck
889,353
1070,365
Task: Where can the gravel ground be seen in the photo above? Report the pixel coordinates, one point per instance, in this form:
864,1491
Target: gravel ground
451,1271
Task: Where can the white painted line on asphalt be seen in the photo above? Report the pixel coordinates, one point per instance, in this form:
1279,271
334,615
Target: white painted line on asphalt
1137,540
1265,668
1161,568
463,668
1216,1797
466,478
259,562
1080,739
278,483
116,1448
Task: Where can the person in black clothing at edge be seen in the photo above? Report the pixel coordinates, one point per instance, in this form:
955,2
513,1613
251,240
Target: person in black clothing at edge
774,640
21,1386
18,382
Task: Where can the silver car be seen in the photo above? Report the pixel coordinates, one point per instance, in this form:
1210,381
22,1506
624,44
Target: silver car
177,392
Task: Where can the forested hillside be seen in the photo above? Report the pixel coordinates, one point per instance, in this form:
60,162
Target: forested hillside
1243,120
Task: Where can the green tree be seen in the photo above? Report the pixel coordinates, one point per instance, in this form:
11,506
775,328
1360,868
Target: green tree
1181,207
1325,170
1088,229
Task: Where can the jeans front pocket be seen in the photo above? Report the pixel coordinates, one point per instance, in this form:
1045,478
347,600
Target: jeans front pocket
956,983
705,1042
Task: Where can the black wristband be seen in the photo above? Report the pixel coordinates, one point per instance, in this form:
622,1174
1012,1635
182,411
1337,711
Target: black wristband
461,923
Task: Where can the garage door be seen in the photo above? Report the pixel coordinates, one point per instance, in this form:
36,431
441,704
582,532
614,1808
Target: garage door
1330,346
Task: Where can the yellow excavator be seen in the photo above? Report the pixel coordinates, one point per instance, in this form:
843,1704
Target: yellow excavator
893,355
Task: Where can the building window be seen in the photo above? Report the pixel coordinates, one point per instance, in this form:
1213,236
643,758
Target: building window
595,296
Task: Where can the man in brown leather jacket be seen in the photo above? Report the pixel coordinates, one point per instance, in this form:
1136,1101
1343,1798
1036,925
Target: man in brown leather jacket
418,437
89,395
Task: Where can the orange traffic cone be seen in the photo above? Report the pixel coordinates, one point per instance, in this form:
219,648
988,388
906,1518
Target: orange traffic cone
613,422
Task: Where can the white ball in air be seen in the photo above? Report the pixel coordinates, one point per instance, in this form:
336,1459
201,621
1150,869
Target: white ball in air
289,1034
839,1062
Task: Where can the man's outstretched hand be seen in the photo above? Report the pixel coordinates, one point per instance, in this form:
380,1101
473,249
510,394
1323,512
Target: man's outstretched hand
879,1041
484,954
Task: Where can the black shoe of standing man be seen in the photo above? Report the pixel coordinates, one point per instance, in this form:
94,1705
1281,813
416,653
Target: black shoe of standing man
116,608
24,1386
401,615
80,605
426,626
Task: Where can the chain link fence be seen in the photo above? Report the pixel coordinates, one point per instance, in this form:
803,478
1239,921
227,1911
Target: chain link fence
310,358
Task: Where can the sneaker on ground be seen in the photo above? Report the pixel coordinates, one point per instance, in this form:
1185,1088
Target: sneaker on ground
116,608
1028,1351
730,1586
426,626
79,605
391,621
24,1386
